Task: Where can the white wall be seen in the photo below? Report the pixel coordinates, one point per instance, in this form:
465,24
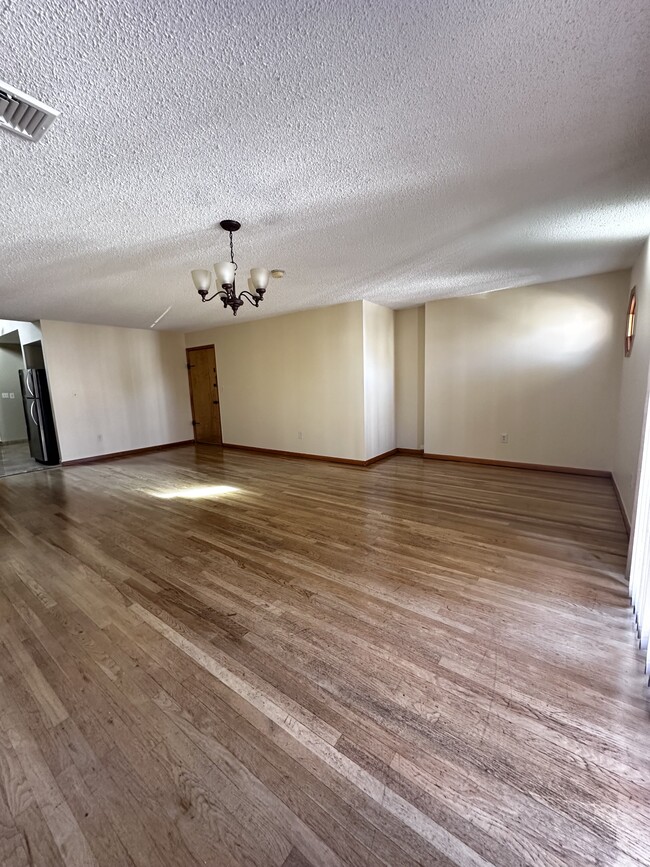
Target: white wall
634,386
540,363
301,373
409,378
115,389
378,379
12,417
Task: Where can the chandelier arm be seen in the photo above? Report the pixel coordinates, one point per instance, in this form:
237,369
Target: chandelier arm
253,299
220,293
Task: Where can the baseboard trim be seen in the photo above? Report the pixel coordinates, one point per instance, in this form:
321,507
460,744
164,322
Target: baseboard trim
621,505
382,457
284,454
113,456
351,462
545,468
418,453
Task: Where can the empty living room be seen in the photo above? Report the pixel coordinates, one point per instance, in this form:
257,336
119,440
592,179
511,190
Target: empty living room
324,439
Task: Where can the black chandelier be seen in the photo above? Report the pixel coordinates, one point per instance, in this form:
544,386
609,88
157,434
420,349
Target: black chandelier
225,277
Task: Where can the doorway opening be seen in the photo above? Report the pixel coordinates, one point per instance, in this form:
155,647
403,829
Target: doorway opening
204,394
28,441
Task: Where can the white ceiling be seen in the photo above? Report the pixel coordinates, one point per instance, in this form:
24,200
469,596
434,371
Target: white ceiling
381,150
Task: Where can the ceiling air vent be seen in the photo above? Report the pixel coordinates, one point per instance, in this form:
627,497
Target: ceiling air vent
23,114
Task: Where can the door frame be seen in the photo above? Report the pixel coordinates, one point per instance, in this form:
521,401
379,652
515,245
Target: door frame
189,349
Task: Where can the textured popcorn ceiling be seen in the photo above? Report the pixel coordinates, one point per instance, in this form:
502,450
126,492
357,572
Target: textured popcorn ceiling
394,151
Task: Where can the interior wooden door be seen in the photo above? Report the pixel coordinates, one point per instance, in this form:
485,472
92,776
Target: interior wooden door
204,393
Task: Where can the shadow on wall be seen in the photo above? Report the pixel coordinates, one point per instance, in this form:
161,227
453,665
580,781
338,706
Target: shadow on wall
562,331
135,407
540,364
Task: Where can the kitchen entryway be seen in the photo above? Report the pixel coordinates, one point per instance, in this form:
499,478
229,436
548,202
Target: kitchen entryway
27,434
15,458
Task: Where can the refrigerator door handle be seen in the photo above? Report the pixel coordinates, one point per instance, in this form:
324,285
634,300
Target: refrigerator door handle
32,407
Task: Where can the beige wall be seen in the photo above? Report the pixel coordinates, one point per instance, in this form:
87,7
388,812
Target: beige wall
378,379
115,389
294,382
540,363
634,386
409,378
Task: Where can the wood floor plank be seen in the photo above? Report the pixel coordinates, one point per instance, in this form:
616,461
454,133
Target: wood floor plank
418,662
39,843
56,812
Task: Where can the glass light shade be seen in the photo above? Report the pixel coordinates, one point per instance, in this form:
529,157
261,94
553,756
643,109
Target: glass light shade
202,278
260,278
225,272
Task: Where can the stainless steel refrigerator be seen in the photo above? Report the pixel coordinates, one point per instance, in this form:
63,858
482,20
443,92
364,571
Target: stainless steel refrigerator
38,416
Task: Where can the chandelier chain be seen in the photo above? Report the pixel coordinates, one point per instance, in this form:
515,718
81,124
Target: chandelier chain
232,253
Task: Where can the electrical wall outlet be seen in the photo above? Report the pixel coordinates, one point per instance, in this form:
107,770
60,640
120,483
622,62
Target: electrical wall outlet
5,394
504,437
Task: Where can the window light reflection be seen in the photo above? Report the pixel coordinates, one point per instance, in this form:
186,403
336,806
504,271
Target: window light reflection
197,493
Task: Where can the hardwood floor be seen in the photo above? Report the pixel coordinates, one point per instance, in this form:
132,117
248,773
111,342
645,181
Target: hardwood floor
225,658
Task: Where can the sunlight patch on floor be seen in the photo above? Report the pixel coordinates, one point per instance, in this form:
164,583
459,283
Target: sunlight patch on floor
198,493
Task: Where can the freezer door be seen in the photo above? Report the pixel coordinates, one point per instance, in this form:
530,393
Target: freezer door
35,431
